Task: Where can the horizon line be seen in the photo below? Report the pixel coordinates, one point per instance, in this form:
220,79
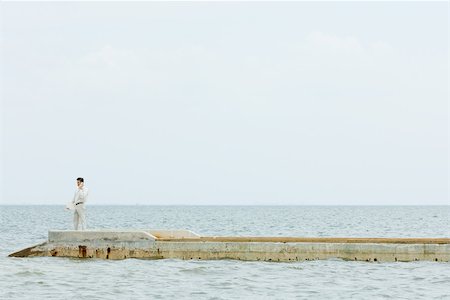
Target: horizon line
140,204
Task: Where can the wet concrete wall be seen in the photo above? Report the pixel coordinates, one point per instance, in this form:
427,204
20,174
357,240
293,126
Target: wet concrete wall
182,244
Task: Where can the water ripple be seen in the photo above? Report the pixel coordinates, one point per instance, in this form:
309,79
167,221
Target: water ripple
57,278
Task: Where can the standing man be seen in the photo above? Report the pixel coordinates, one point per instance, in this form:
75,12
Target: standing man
80,197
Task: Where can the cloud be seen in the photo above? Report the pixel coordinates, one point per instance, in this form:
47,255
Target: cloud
108,57
351,45
381,47
323,41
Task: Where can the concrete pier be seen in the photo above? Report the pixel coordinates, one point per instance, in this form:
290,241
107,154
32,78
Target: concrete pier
185,244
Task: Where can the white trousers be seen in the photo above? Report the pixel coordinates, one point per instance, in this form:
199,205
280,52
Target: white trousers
79,217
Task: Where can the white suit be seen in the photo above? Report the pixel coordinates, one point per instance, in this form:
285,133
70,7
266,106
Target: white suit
79,216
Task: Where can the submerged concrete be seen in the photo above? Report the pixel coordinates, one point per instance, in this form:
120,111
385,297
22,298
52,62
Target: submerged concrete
184,244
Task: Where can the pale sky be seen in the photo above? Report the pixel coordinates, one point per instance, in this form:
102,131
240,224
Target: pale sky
340,103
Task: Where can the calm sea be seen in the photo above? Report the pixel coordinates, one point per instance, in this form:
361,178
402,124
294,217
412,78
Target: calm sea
67,278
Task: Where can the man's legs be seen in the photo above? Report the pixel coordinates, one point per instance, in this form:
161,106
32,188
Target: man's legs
75,219
82,216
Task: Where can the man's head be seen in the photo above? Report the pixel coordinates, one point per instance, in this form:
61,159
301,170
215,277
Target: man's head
80,181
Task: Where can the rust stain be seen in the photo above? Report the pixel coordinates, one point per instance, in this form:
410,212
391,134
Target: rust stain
82,251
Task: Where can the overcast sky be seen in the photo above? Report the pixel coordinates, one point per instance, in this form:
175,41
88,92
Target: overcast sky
225,103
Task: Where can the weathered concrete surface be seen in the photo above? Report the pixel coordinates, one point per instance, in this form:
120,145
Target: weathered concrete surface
57,236
182,244
173,234
280,239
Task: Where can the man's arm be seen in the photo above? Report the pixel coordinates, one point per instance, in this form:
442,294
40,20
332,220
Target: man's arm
83,194
75,197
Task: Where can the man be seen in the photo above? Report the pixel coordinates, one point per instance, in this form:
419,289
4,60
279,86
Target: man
80,197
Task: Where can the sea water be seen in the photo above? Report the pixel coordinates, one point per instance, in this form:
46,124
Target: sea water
69,278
